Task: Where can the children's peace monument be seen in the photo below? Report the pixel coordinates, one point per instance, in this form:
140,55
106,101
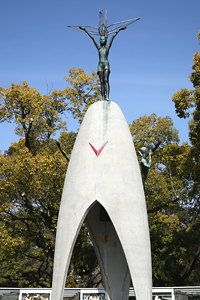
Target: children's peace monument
104,188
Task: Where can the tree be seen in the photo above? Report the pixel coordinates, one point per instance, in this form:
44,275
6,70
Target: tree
32,174
31,180
187,104
31,188
85,91
175,247
186,99
172,189
37,117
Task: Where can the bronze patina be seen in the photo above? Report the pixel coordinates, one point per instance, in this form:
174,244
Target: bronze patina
103,49
145,165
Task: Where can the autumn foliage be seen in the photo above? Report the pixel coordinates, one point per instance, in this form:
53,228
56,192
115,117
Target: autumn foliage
32,173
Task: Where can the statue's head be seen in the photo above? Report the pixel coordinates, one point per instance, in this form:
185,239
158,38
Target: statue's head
144,152
103,40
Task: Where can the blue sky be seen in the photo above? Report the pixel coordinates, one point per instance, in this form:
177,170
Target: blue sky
149,61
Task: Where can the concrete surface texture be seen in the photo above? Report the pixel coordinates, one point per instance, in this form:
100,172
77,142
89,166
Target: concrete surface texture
103,184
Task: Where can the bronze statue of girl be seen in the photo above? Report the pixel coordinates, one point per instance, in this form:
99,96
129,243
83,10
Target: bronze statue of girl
103,65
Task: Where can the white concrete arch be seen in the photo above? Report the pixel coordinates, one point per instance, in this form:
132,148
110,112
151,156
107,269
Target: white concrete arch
104,167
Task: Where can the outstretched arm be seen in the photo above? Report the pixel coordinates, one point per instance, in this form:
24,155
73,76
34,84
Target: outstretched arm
144,160
114,35
94,41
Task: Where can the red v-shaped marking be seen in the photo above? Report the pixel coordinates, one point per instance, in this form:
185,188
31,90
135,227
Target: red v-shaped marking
99,151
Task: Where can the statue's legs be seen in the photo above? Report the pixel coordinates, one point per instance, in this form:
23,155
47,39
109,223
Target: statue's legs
106,83
101,78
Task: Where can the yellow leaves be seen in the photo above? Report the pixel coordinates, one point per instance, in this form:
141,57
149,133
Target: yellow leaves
165,219
196,60
195,76
175,153
77,77
198,35
163,228
183,102
7,243
38,117
31,177
85,91
35,115
186,99
31,188
147,130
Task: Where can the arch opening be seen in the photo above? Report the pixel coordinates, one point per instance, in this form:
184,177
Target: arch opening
109,250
